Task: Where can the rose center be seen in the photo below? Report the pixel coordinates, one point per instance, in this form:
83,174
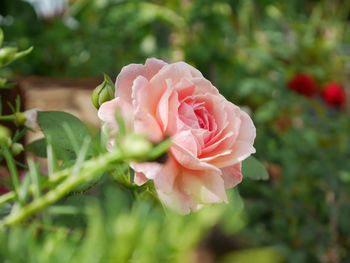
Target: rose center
195,115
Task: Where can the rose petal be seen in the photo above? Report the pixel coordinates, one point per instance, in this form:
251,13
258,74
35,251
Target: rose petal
108,110
148,169
247,132
205,187
165,179
189,161
187,141
232,175
140,178
239,152
129,73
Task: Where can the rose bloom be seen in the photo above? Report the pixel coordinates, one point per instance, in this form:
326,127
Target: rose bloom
303,84
334,95
210,135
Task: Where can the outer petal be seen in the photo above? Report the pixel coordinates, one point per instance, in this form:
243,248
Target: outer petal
247,131
204,187
140,178
177,201
176,72
145,121
109,109
171,73
204,86
129,73
149,170
165,179
232,175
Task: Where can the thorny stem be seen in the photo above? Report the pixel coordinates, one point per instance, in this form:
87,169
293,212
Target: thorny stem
89,171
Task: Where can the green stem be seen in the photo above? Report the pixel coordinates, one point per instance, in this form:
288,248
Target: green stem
89,171
12,167
7,197
10,117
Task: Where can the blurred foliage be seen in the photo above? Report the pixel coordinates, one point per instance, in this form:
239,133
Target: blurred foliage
249,50
118,230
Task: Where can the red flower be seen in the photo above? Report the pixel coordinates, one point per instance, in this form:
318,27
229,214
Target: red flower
334,95
303,84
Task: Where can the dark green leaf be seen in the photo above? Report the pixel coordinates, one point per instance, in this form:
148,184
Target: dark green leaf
38,147
254,169
54,126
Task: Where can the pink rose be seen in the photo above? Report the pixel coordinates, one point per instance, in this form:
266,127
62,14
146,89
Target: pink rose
211,136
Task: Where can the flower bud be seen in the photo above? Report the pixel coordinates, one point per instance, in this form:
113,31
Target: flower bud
135,146
103,92
20,118
16,149
27,118
4,134
7,54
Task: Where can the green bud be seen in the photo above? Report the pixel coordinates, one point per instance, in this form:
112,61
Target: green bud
4,134
7,54
136,146
20,118
16,148
103,92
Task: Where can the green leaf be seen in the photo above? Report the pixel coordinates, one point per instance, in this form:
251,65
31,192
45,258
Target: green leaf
22,53
54,126
1,37
254,169
38,147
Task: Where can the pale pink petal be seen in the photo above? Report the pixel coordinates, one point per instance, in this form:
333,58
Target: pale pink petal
144,120
188,116
184,88
204,187
177,201
165,179
146,124
129,73
140,178
221,145
163,106
247,130
173,115
239,152
232,175
175,73
141,95
108,110
186,140
203,86
148,169
189,161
